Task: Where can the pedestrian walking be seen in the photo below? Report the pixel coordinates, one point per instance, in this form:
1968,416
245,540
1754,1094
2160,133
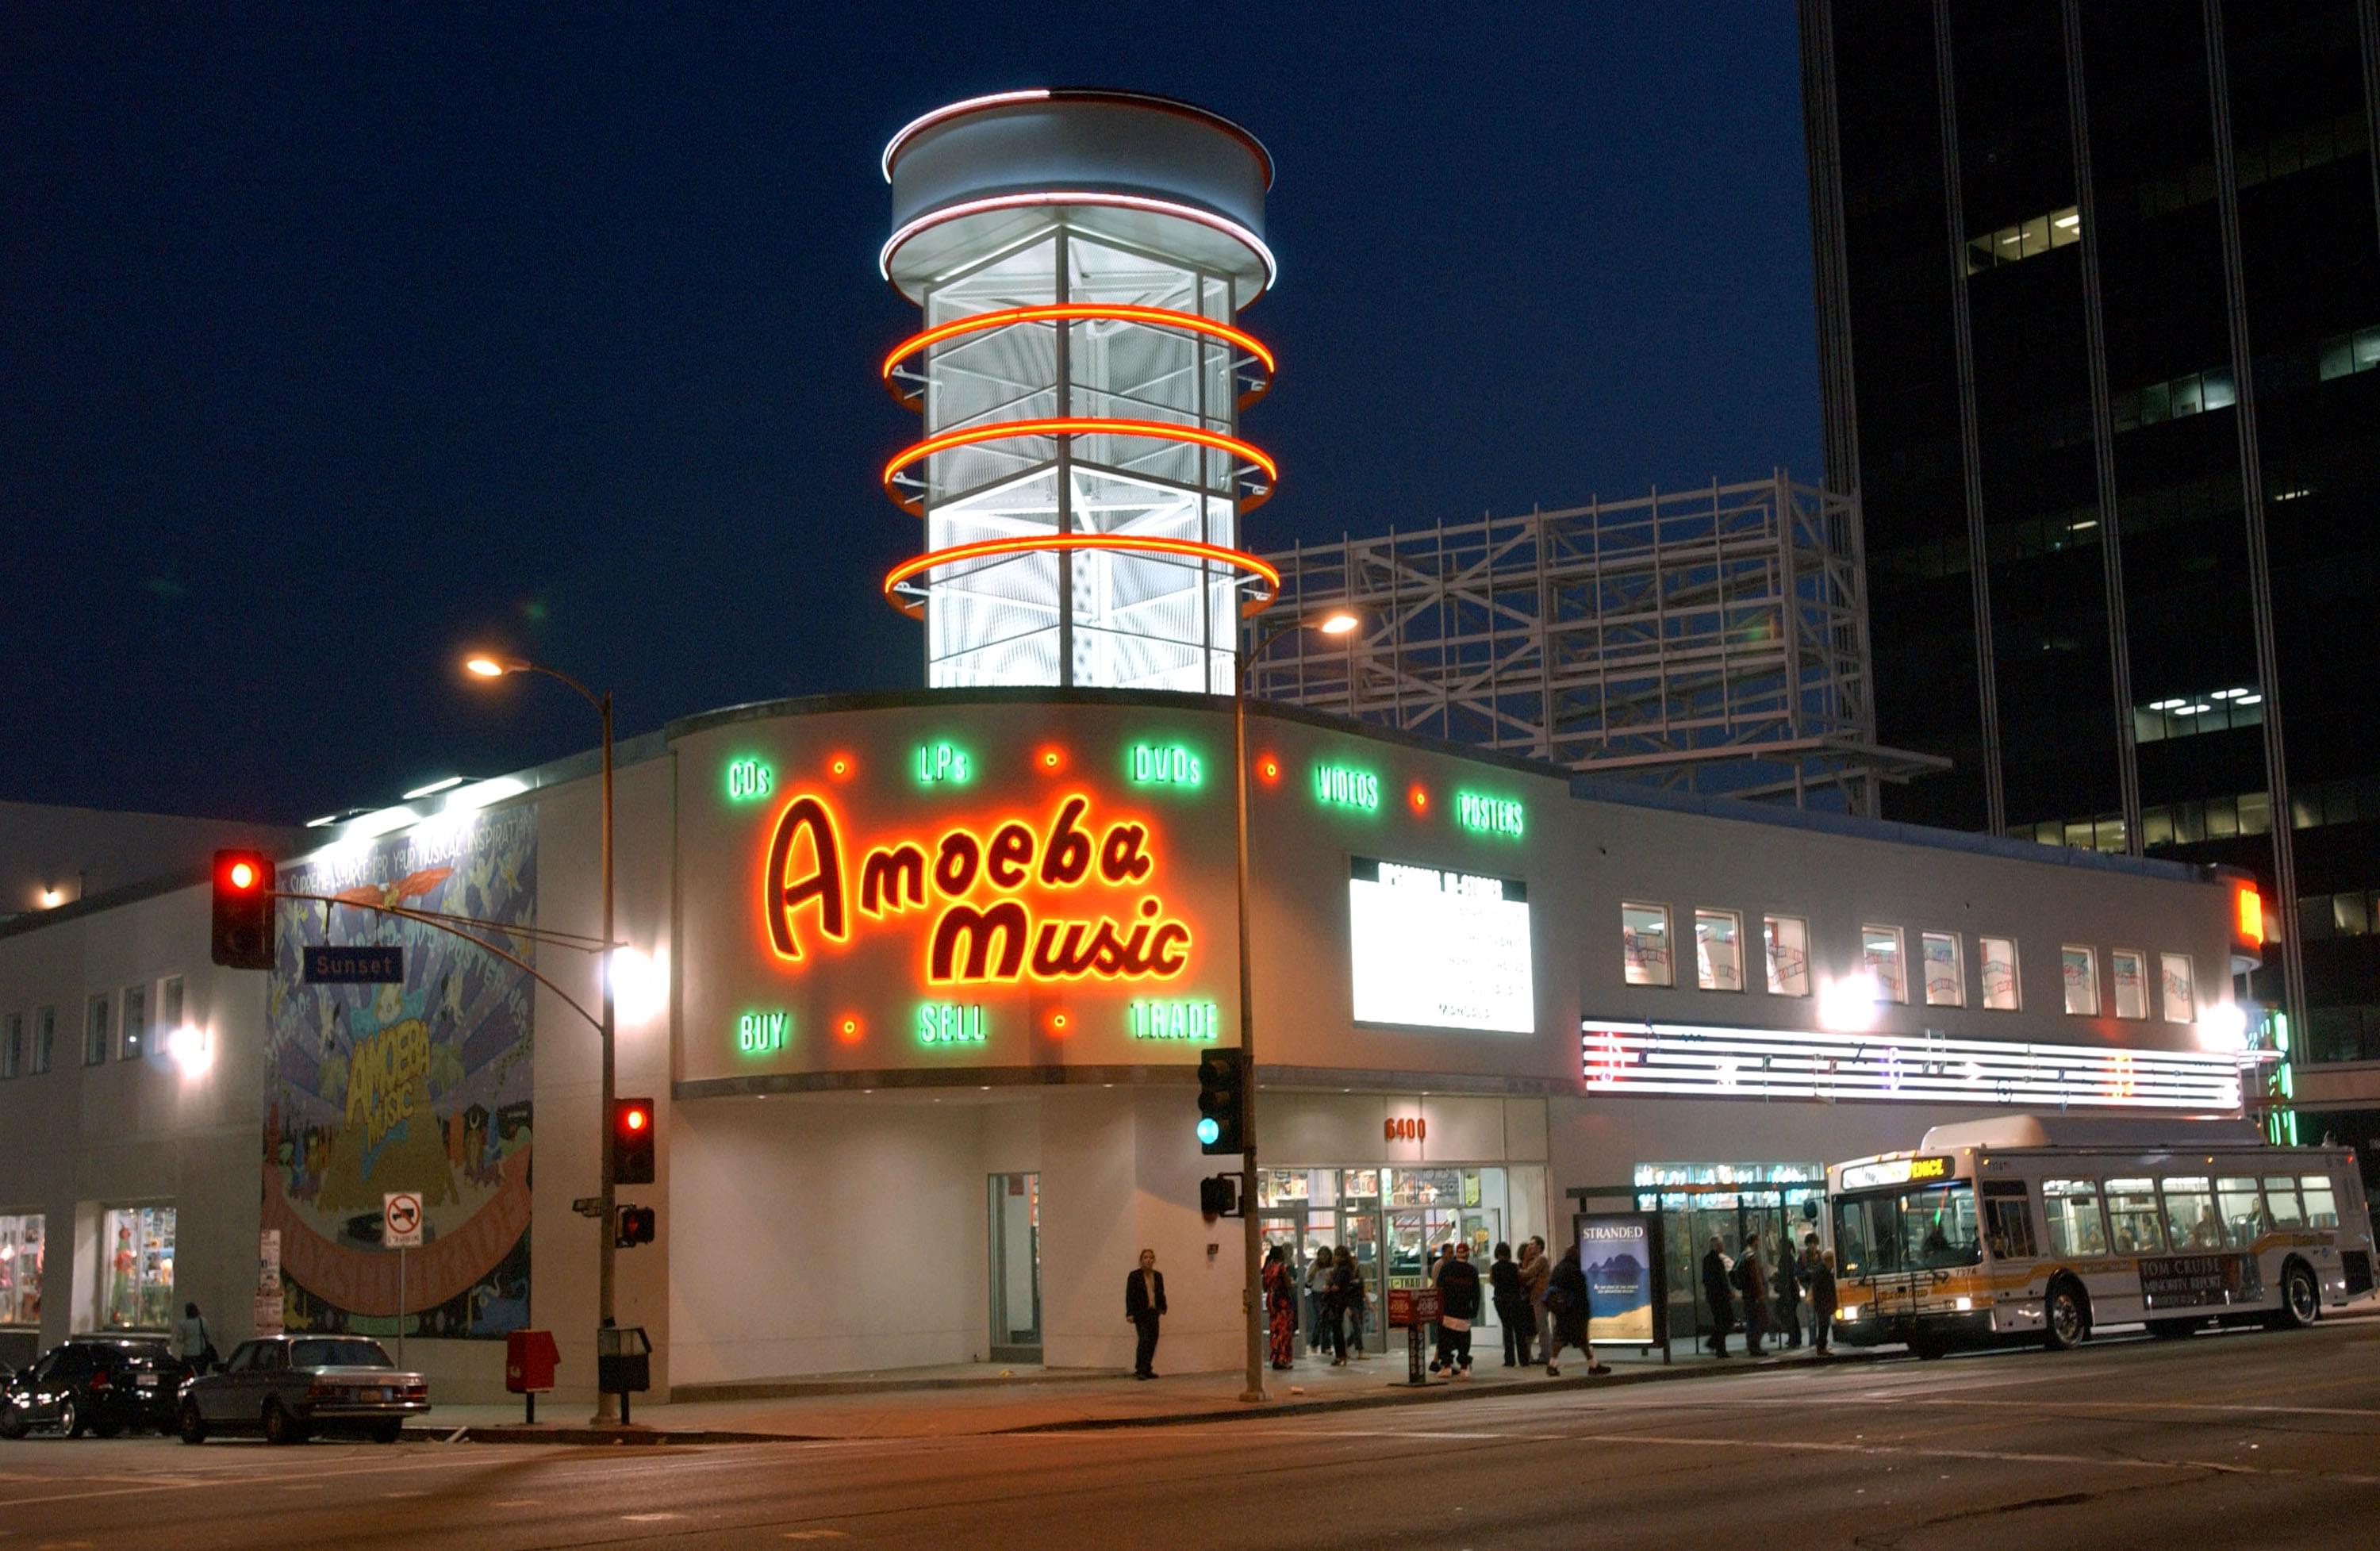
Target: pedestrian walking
1534,1271
1512,1305
1567,1306
1317,1299
1753,1283
1280,1307
1821,1301
1346,1305
1458,1309
1785,1294
1718,1282
1144,1305
194,1343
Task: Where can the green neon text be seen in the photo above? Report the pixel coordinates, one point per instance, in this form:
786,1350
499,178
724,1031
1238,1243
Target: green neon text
756,1034
943,765
1488,815
1163,765
950,1022
1173,1020
1345,786
748,780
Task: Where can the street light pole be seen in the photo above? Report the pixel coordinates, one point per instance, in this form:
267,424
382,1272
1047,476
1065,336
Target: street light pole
607,1252
1252,1295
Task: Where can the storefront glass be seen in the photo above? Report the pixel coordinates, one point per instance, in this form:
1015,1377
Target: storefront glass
1778,1204
1392,1220
136,1273
20,1269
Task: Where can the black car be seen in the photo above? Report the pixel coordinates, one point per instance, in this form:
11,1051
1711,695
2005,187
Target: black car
100,1384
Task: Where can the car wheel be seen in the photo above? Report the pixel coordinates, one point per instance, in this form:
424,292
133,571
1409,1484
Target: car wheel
2301,1299
2069,1318
280,1426
71,1421
193,1426
387,1432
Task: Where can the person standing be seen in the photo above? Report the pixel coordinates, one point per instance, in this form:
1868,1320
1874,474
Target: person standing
1512,1305
1716,1283
1144,1305
1280,1307
1751,1281
1317,1299
193,1342
1534,1271
1567,1307
1822,1298
1355,1304
1458,1309
1788,1292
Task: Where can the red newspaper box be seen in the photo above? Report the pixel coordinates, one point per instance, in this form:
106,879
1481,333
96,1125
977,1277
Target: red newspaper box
529,1361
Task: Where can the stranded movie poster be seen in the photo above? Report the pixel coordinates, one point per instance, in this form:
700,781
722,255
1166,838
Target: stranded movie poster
422,1086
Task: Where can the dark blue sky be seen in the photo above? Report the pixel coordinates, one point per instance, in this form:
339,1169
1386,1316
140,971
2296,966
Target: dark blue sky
333,340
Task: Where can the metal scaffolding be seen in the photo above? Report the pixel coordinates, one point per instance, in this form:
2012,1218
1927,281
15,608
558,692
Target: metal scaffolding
1709,641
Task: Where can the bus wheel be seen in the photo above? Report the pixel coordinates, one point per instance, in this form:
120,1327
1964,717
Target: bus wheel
2301,1299
2069,1318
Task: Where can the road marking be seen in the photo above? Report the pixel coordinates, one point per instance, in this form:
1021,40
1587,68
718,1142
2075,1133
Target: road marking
816,1534
303,1486
648,1518
515,1502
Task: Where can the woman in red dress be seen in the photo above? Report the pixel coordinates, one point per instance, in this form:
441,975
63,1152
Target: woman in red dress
1281,1306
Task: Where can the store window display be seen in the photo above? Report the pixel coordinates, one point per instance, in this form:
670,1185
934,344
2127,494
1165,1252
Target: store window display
138,1244
20,1269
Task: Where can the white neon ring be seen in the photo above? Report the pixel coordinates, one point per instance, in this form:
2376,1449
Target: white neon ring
996,99
1230,229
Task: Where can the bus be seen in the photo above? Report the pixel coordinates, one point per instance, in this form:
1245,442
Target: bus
2050,1227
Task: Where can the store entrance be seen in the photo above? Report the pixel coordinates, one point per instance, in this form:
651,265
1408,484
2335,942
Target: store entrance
1015,1240
1393,1221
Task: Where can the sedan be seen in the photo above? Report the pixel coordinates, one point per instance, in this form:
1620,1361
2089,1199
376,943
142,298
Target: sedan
291,1387
100,1384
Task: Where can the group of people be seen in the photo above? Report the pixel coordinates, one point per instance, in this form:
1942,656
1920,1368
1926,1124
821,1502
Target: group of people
1771,1299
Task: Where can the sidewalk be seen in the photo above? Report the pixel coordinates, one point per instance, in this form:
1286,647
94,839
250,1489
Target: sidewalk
972,1399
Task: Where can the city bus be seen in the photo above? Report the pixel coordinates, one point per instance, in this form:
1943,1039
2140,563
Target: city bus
2048,1226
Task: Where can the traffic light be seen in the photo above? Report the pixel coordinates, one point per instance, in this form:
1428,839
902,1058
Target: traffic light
1222,1101
632,1141
243,924
1219,1196
636,1227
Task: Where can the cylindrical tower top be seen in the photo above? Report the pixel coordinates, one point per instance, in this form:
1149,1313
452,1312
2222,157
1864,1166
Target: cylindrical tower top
1143,169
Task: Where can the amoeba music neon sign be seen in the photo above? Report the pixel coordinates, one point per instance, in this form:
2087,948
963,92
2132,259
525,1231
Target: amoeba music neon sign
1775,1063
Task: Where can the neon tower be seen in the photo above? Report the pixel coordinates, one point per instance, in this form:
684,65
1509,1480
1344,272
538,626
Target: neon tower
1079,257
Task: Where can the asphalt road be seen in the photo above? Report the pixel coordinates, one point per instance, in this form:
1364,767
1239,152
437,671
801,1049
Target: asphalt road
2235,1440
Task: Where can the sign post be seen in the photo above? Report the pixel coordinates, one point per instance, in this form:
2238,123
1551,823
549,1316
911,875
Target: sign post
1413,1308
400,1214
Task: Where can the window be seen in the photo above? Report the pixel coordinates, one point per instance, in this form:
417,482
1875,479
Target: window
12,1044
2320,1205
2071,1207
1719,957
2281,1202
2134,1217
2180,989
20,1269
1999,973
1787,939
243,1357
2243,1210
136,1022
2080,968
45,1037
2008,1225
137,1269
169,1004
1946,978
94,1031
2131,971
2190,1220
1644,944
1880,949
347,1351
1937,1229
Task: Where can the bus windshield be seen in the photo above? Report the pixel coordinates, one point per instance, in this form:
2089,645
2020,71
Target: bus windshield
1926,1229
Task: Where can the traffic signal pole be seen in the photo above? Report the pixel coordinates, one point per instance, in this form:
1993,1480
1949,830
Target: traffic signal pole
607,1229
1252,1295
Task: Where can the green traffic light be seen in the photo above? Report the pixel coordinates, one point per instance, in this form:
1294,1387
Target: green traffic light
1208,1130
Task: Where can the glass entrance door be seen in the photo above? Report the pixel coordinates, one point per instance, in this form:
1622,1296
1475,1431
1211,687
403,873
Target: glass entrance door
1015,1240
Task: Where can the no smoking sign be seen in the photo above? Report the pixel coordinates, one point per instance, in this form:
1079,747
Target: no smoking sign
401,1220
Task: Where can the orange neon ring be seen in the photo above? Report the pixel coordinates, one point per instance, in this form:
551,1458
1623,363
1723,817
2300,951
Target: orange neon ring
1190,549
1001,431
1155,316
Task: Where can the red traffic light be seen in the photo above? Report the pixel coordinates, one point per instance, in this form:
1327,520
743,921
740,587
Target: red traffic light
243,910
243,875
634,1120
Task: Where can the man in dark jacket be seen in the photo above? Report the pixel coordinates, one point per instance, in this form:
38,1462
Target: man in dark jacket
1568,1311
1785,1290
1512,1307
1458,1309
1144,1305
1718,1293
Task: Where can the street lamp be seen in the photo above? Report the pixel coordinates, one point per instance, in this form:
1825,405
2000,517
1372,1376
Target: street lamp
481,665
1339,622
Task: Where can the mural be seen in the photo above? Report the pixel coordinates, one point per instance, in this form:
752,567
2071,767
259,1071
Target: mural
423,1086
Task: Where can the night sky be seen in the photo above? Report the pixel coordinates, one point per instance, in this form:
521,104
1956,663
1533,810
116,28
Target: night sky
336,338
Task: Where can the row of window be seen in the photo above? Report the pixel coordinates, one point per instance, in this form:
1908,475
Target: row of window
2312,145
126,1026
1646,959
2180,1213
2216,711
2060,228
2338,1034
2345,801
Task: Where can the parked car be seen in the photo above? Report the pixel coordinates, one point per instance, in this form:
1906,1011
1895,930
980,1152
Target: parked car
100,1384
290,1386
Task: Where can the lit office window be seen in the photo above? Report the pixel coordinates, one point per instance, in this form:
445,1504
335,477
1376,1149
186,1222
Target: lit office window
1787,939
2081,969
2180,989
2026,240
1719,957
1946,978
2131,973
2000,975
1880,949
1644,944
